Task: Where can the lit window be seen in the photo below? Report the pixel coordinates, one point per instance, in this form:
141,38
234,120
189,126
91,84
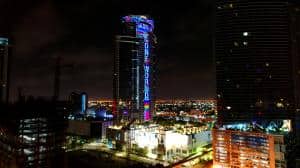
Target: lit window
279,105
267,64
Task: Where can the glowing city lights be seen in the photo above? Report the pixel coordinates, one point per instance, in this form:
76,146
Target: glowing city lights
245,33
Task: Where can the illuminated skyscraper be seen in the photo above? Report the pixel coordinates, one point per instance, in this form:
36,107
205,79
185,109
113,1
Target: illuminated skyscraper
134,69
4,56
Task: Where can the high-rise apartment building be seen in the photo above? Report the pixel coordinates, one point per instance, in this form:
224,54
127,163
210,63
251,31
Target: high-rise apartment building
255,63
4,69
257,68
248,149
134,69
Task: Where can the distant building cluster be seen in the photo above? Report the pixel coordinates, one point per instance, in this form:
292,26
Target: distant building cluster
189,106
187,110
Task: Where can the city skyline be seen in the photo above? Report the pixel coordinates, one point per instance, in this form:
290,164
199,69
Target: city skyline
203,83
41,31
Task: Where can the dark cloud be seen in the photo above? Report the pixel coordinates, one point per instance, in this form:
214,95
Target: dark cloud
82,33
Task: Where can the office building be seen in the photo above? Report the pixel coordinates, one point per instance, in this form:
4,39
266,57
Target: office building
4,69
134,69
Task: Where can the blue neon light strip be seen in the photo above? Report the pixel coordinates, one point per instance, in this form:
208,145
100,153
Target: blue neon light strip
83,101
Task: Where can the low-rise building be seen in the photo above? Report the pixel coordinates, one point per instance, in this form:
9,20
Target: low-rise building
156,141
89,129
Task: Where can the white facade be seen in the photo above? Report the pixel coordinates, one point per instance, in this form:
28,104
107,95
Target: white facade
174,143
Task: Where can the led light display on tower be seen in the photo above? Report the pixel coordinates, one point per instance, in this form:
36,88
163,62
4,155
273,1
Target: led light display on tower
133,77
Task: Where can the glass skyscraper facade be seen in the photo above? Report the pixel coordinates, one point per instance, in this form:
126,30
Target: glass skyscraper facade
4,57
255,65
134,68
257,72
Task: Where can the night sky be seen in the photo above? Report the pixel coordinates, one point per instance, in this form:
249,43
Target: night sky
82,33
